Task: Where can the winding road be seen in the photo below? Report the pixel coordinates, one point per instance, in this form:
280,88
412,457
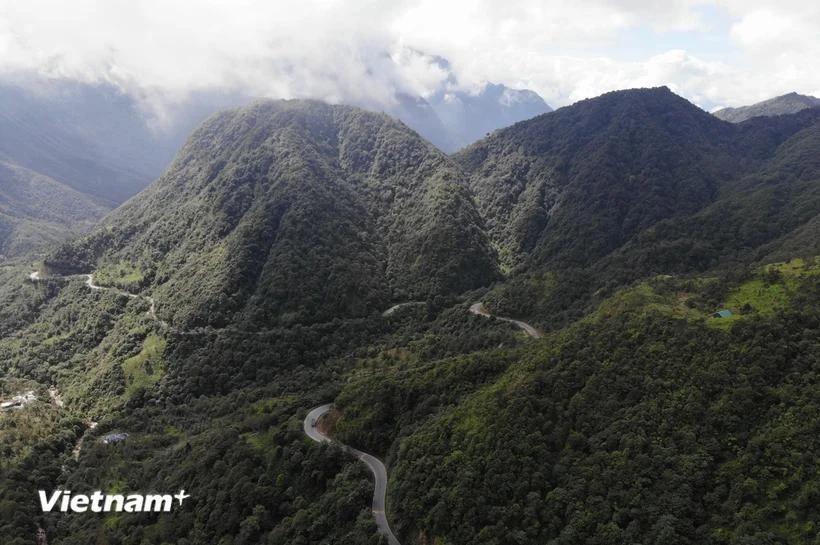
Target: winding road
375,465
480,310
89,281
311,420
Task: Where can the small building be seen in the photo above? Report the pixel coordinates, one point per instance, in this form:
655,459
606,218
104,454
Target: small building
114,438
19,401
725,313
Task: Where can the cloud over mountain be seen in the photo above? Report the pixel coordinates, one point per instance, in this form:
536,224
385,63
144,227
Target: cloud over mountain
716,53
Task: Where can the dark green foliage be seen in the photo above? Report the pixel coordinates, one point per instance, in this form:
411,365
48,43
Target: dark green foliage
283,230
637,183
288,212
573,185
633,429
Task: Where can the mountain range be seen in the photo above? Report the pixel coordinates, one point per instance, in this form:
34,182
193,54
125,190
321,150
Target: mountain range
103,145
260,264
451,118
36,210
609,190
785,104
298,211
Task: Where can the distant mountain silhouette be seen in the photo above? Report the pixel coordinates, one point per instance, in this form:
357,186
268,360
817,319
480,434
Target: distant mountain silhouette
785,104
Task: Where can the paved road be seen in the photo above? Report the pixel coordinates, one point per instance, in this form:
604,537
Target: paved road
394,308
89,281
375,465
480,310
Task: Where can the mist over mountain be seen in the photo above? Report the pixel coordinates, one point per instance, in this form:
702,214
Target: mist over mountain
335,274
470,117
786,104
36,210
94,138
452,117
109,142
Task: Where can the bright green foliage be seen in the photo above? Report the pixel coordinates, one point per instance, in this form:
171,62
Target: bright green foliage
634,426
122,275
146,368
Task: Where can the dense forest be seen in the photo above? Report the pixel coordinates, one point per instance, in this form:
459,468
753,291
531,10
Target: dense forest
260,267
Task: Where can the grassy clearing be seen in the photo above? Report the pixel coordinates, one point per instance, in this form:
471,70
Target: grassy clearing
146,368
123,275
771,291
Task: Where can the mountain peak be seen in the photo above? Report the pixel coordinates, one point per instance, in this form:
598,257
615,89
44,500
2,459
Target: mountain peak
296,211
546,183
790,103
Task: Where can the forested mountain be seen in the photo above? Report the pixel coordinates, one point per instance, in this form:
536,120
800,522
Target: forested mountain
35,210
646,422
785,104
595,192
297,211
106,144
571,186
263,257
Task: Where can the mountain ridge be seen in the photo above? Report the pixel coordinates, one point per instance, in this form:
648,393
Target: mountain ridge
36,210
283,193
789,103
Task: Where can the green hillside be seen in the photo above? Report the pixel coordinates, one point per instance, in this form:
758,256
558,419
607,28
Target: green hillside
36,210
286,212
247,286
638,183
648,421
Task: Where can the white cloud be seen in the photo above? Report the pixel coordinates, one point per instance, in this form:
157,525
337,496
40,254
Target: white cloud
338,50
762,28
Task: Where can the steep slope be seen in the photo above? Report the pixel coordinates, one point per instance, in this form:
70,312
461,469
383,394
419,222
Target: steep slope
637,183
785,104
573,185
35,210
645,421
768,214
296,212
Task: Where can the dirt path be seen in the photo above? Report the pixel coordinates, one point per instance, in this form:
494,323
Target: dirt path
56,397
78,448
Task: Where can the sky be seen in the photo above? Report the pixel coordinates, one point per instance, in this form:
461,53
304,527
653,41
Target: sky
714,53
